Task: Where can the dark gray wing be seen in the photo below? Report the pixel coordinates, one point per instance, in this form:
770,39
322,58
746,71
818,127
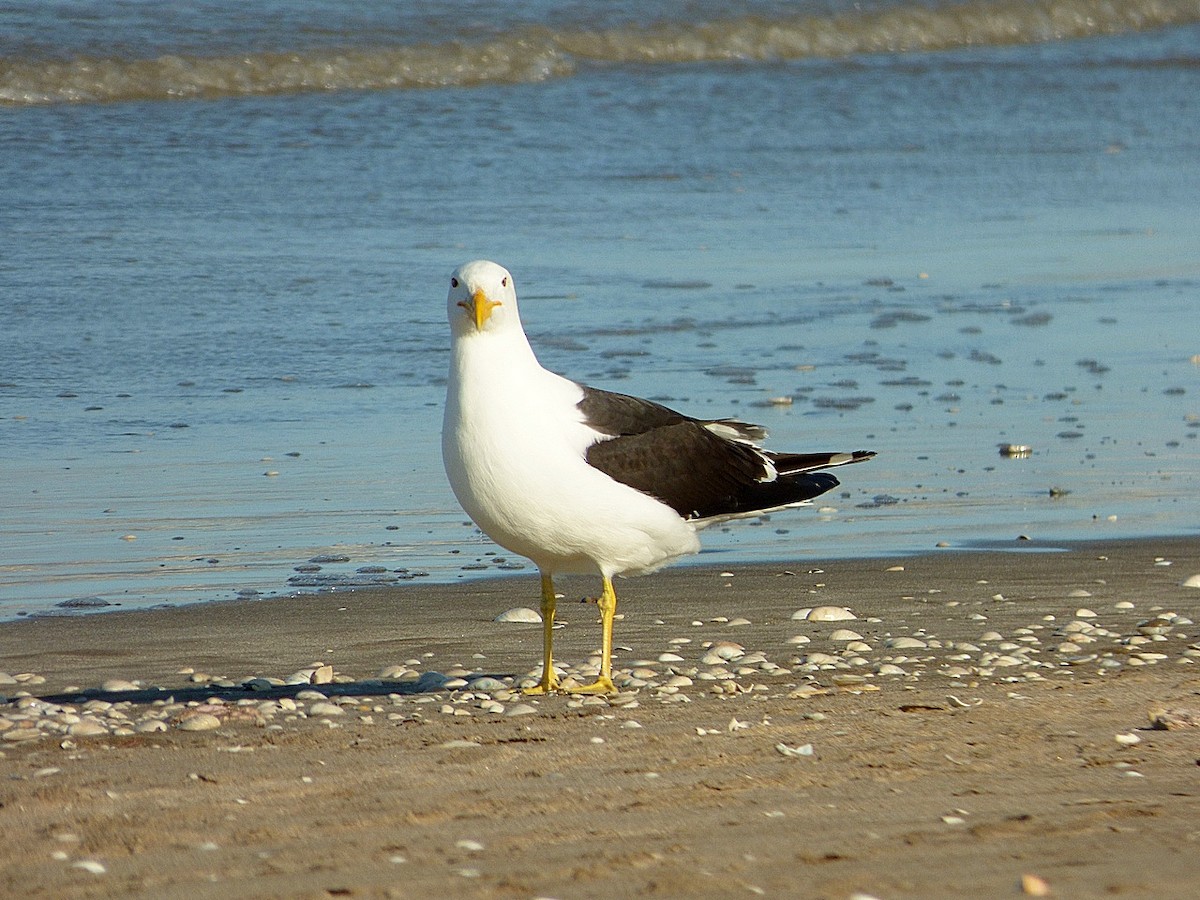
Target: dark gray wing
700,474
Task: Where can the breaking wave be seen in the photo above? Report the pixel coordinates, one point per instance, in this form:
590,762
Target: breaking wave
532,54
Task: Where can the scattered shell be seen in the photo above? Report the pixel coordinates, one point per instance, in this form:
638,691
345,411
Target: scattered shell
1157,625
1034,886
521,614
1194,581
1015,450
199,722
794,752
906,643
486,684
116,685
1128,739
727,650
1167,719
829,614
325,708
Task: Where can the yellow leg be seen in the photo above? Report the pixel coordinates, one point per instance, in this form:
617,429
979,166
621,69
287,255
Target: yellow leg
549,680
608,609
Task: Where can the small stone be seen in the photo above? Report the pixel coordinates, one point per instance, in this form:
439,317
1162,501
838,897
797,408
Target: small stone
845,634
1084,613
1193,582
1128,739
521,709
906,643
89,865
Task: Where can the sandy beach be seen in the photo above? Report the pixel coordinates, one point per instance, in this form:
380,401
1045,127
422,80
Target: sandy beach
990,732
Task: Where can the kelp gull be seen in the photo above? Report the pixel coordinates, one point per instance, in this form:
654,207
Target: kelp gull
581,480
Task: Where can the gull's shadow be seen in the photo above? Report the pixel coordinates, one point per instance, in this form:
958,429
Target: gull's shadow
429,683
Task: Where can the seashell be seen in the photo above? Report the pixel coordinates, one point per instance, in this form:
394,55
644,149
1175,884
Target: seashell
521,614
845,634
829,614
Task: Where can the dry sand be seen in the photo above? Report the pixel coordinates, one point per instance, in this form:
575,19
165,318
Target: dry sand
957,779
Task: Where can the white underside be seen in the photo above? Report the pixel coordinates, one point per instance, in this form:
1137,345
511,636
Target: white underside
513,443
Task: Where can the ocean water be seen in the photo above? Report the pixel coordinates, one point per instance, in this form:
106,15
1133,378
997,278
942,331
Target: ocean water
924,229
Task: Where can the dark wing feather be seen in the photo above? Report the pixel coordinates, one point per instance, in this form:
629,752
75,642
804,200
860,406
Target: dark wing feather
620,414
684,465
698,473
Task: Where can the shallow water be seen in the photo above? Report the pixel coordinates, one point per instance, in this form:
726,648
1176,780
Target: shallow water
929,253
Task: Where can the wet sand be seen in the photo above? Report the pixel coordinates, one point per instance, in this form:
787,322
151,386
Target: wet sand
982,761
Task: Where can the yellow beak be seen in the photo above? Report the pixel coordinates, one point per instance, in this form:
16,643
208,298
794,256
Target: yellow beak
480,307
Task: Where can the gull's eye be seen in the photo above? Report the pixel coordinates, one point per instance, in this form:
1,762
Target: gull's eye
453,282
504,281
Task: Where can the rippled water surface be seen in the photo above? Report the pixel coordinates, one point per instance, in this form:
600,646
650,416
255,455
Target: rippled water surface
925,230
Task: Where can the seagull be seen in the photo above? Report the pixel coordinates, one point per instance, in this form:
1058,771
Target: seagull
586,481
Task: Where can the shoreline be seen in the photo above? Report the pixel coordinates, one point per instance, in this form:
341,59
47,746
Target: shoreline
33,636
991,729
